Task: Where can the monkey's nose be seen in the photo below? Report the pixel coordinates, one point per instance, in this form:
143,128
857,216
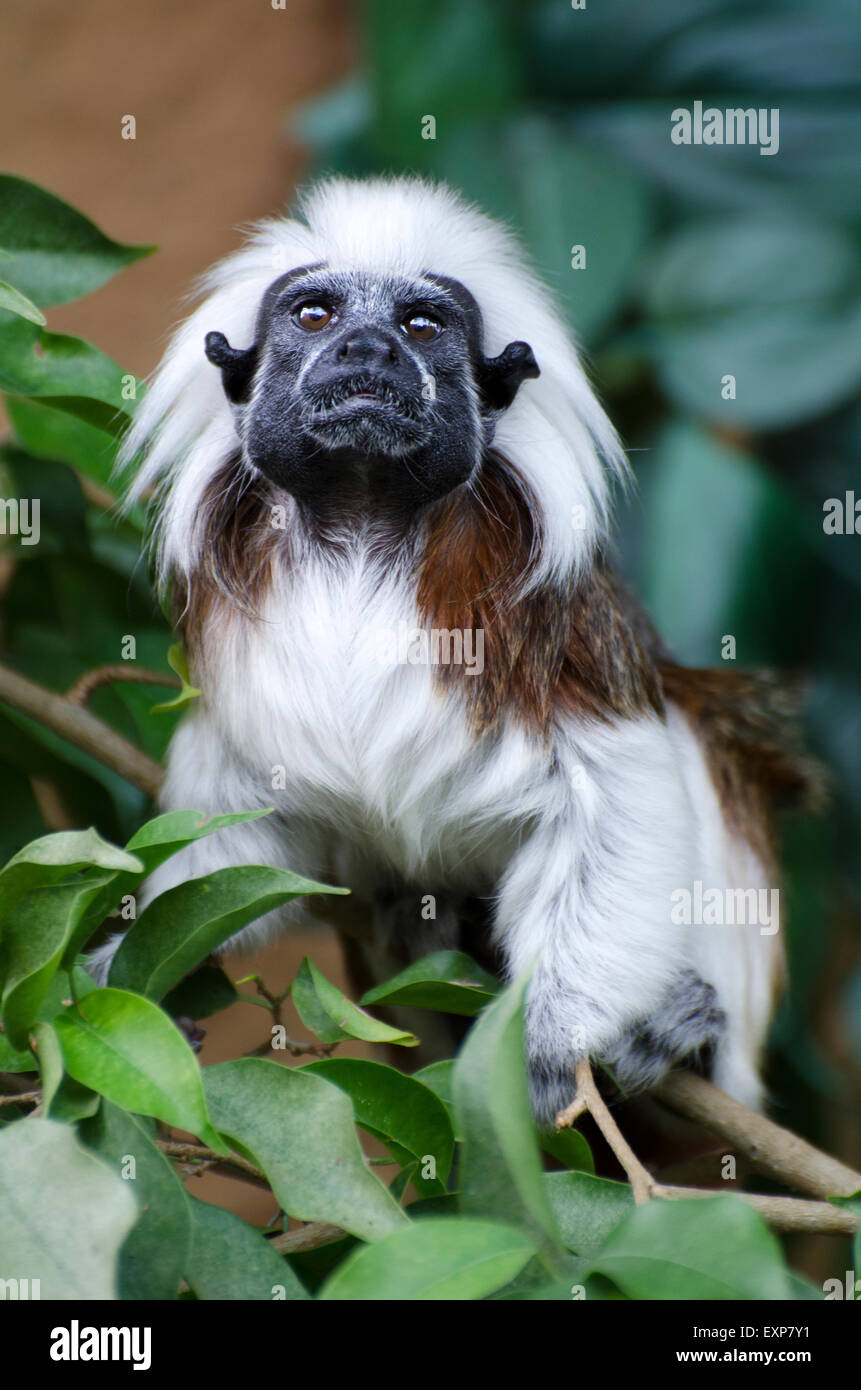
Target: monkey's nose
364,348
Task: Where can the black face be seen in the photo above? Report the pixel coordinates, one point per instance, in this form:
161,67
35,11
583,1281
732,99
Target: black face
371,382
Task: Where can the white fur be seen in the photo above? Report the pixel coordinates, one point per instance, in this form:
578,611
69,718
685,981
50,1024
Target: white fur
582,840
741,962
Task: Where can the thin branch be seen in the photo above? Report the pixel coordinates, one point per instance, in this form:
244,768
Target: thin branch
588,1097
82,729
295,1049
781,1213
275,1003
309,1237
770,1149
23,1098
233,1167
80,691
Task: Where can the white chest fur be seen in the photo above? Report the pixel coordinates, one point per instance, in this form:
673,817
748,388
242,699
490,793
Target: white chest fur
330,704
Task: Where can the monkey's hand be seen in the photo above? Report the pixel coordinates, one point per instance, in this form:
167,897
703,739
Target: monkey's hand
686,1024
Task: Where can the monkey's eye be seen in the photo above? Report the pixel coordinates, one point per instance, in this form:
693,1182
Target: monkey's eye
312,316
421,325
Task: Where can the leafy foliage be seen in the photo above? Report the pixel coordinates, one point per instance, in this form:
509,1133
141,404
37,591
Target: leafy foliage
118,1078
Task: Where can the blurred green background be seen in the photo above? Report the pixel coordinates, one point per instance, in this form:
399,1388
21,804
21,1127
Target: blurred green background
700,262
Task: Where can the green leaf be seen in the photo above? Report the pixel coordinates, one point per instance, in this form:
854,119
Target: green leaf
299,1129
64,989
65,1214
445,980
159,838
587,1208
329,119
73,1102
69,373
698,1248
405,1175
426,63
201,994
852,1204
440,1258
560,193
569,1147
332,1016
501,1167
181,927
13,1059
439,1076
156,841
231,1260
57,253
50,1061
531,1286
177,661
55,434
27,755
62,1097
17,303
153,1258
395,1108
755,549
128,1050
774,303
55,857
802,1290
38,934
313,1267
602,51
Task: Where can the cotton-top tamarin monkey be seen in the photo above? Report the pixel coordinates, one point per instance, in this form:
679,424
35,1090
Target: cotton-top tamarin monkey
381,489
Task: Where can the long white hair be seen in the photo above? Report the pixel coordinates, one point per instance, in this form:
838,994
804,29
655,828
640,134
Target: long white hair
555,433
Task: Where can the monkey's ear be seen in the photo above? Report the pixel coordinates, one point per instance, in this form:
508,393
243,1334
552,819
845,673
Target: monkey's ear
499,377
237,365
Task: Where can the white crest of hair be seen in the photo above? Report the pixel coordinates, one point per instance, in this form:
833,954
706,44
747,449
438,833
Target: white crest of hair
555,433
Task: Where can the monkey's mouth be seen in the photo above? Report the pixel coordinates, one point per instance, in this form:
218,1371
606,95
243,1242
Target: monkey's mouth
361,391
365,413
